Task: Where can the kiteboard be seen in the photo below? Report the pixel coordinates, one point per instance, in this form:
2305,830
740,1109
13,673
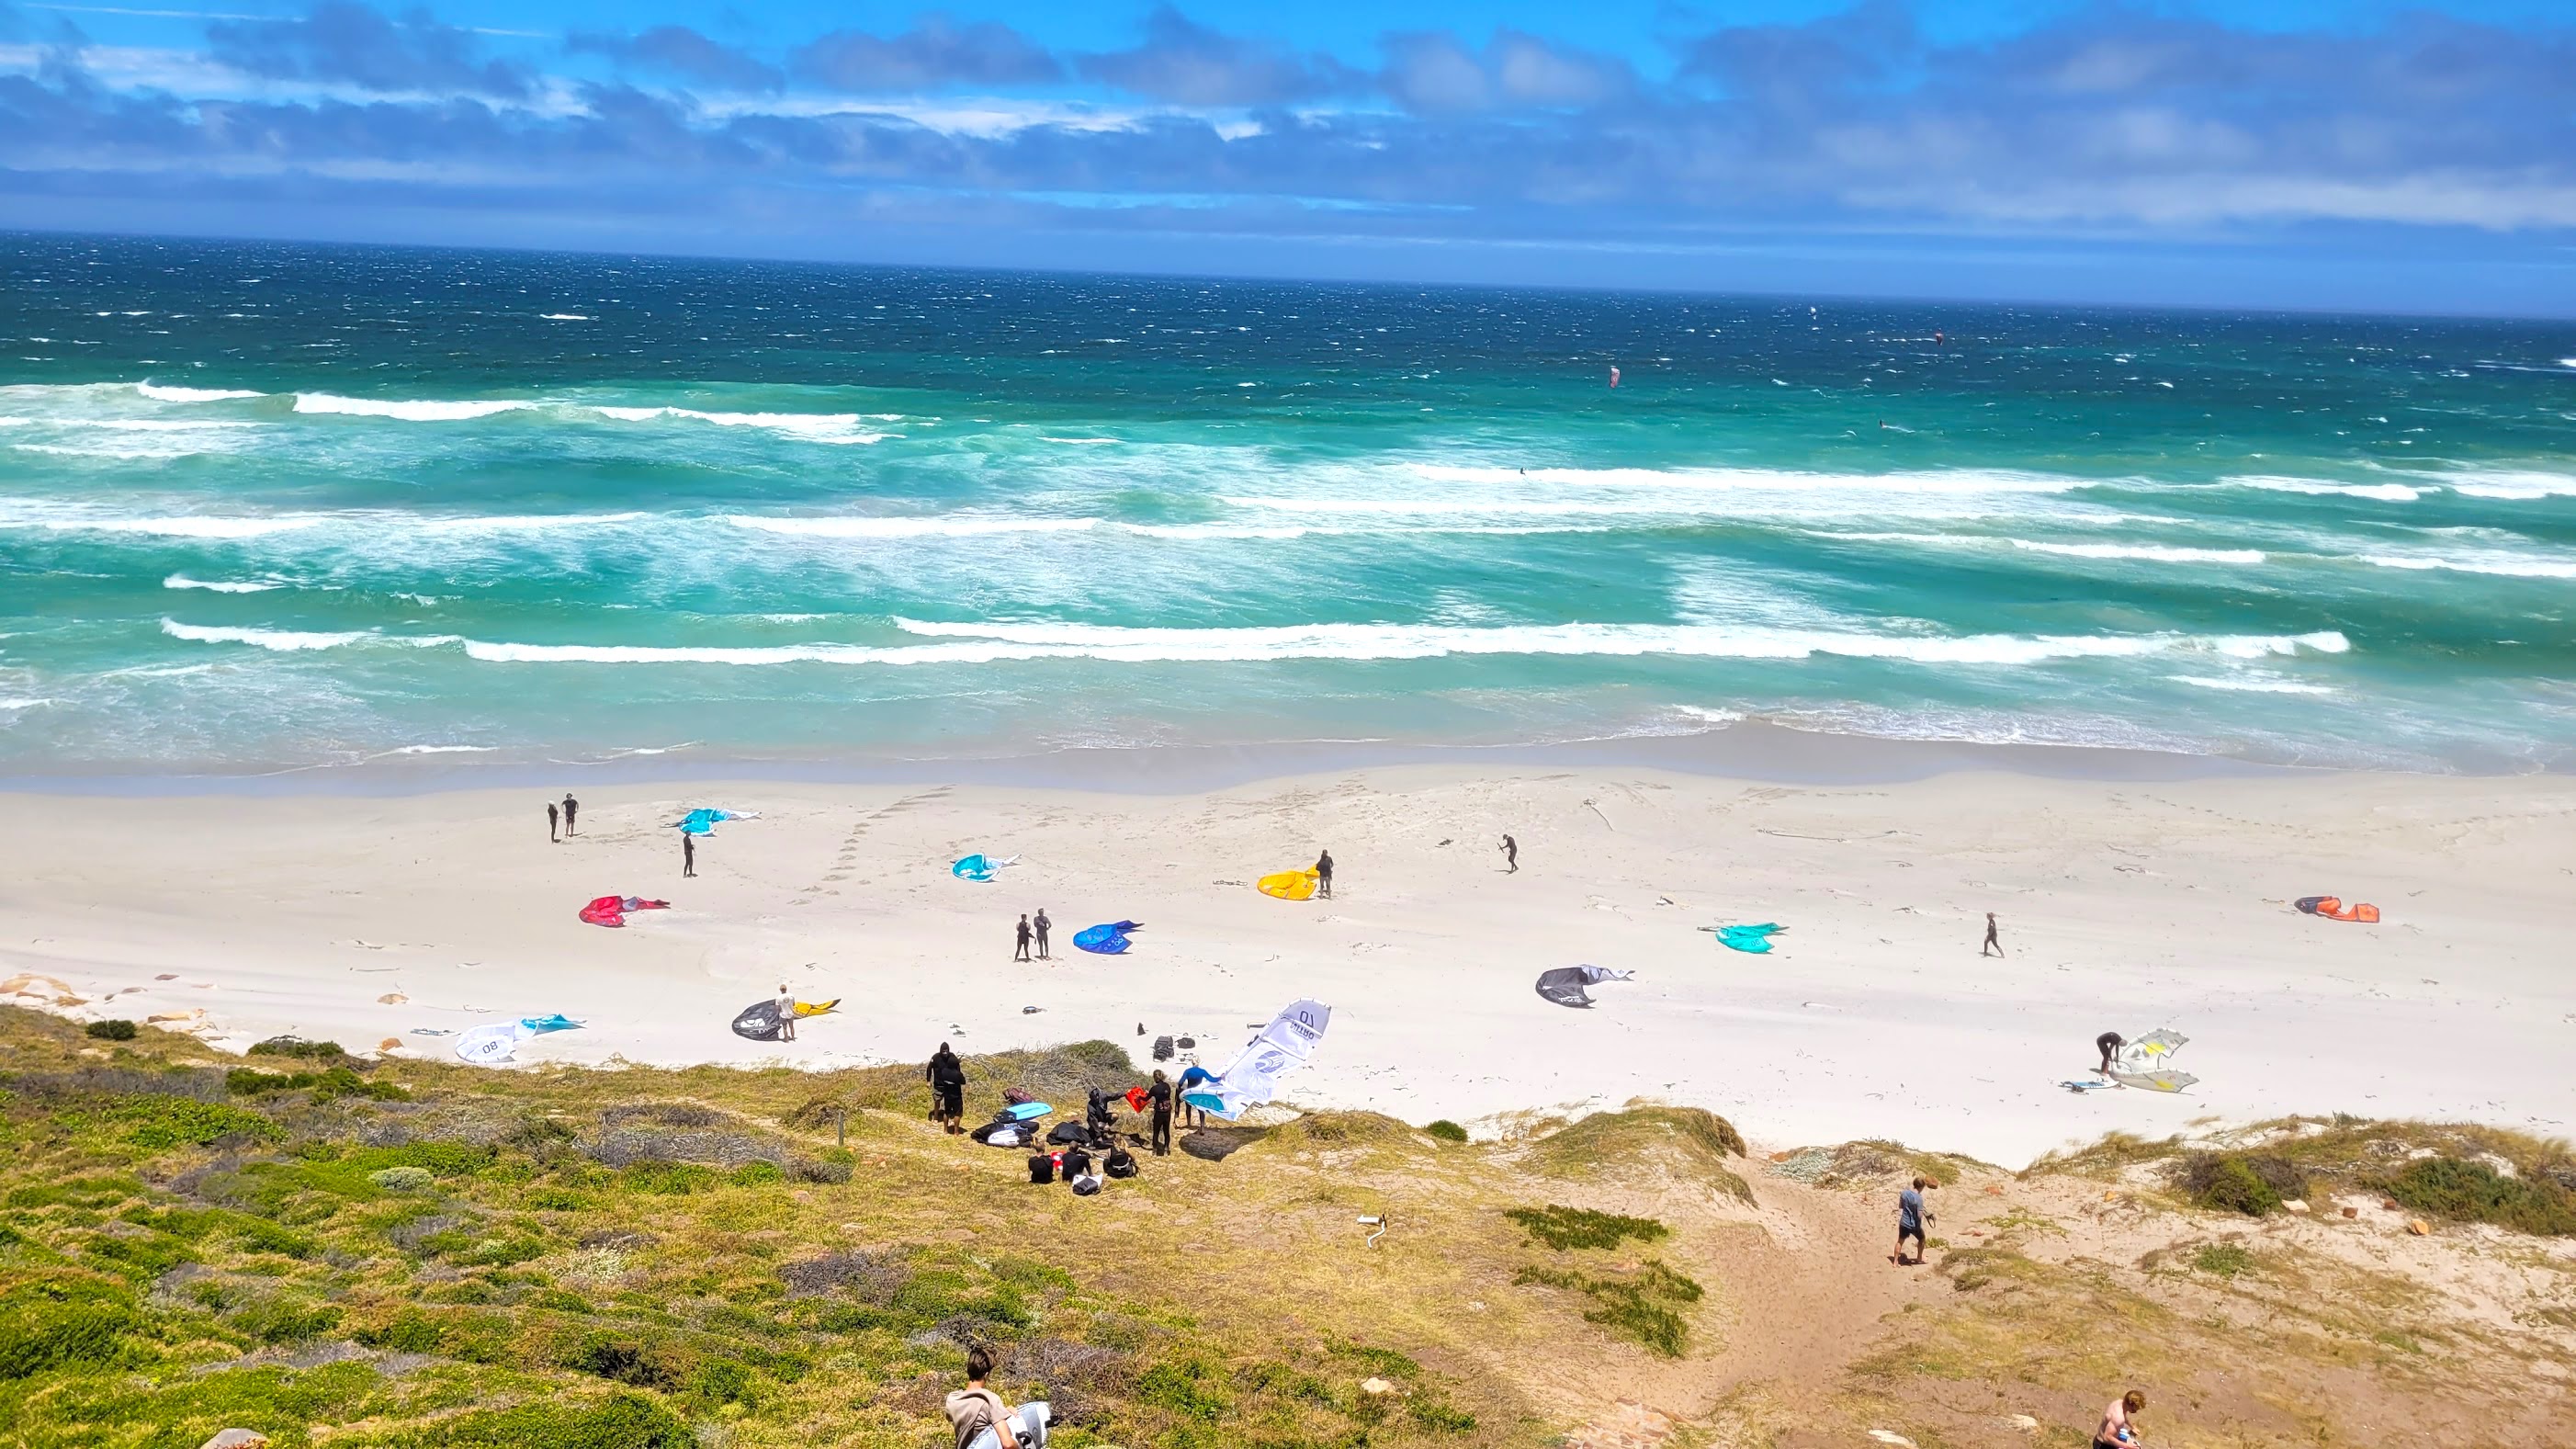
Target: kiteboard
1026,1111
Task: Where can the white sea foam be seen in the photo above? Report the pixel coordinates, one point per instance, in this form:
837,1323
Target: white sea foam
1080,442
522,522
561,317
289,641
160,393
907,527
2516,486
1945,481
221,586
2250,685
407,411
14,705
174,527
1219,530
840,428
440,750
2150,552
2506,565
2376,492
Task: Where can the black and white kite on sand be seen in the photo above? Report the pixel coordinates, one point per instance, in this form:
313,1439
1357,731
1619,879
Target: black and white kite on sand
1565,984
2141,1063
1252,1078
760,1021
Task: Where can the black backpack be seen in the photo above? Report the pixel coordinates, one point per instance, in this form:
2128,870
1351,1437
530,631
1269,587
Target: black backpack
1120,1163
1042,1168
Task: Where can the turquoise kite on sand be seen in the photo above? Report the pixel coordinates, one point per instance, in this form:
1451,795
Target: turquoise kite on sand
1755,940
704,822
980,868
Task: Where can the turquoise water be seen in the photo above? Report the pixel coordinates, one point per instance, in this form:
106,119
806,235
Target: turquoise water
268,507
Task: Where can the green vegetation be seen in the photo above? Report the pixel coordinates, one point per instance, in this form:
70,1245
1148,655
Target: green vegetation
2223,1260
112,1030
1564,1227
2473,1192
2235,1184
1684,1141
1447,1131
400,1255
1636,1305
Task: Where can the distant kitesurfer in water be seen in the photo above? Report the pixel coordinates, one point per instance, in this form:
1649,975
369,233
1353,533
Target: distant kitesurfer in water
1614,375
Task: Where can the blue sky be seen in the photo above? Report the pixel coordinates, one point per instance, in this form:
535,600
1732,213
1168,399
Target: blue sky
2298,154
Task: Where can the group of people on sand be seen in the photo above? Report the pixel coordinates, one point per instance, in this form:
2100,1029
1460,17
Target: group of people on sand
564,819
1161,1097
1033,930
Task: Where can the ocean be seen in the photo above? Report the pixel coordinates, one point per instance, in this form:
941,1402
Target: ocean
273,508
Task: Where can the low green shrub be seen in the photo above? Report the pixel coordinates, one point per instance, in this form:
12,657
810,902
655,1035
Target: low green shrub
55,1323
2473,1192
402,1179
158,1124
621,1421
298,1047
2223,1260
2252,1186
1186,1386
1447,1131
1639,1306
757,1174
110,1030
1562,1228
285,1320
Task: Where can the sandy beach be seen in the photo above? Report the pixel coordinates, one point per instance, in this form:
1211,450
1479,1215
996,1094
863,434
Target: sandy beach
2125,905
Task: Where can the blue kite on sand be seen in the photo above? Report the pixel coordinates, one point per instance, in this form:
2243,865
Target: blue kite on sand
704,821
1109,940
979,867
1753,939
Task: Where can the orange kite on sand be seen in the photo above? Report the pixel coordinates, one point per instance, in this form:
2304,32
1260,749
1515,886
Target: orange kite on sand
2333,909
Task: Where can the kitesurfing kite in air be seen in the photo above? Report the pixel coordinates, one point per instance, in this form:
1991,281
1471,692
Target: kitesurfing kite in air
1253,1077
1614,374
1565,984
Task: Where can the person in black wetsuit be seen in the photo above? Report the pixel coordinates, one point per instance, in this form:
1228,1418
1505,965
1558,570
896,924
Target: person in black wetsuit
688,855
947,1078
1022,953
572,812
1159,1098
2110,1042
554,823
1324,875
1043,925
1511,856
1994,946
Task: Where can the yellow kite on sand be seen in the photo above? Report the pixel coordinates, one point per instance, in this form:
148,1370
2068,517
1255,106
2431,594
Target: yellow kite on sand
816,1008
1288,885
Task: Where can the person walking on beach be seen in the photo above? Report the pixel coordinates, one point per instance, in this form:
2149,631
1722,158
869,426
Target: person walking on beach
554,824
2110,1043
2119,1422
947,1078
1324,875
1159,1098
1993,946
1511,856
688,855
1023,953
1911,1215
983,1421
1043,925
572,810
786,1013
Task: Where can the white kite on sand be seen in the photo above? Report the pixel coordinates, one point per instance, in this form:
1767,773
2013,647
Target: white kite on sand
1253,1076
2142,1062
494,1045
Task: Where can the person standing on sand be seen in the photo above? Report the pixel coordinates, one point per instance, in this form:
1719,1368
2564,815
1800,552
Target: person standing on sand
1324,875
786,1013
1193,1115
2119,1422
1911,1215
1022,954
1511,856
1043,925
554,824
947,1078
572,809
980,1417
688,855
2110,1043
1993,947
1159,1097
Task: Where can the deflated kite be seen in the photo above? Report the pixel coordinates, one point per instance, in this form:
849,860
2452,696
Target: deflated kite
703,822
2141,1063
1289,885
1109,940
980,868
2333,909
490,1046
1755,940
611,910
1253,1077
760,1021
1565,984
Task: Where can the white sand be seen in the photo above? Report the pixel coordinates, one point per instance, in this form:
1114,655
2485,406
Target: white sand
2124,906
